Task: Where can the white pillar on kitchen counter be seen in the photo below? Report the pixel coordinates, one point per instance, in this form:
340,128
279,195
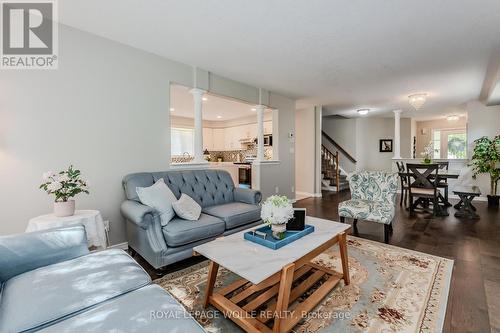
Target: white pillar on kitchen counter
198,124
260,132
397,134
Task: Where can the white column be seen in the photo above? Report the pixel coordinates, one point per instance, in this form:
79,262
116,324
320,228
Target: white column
397,134
260,132
198,124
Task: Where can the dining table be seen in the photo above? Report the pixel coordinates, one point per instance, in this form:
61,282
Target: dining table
442,174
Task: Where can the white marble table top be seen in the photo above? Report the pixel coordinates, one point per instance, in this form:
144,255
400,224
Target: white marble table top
91,219
255,262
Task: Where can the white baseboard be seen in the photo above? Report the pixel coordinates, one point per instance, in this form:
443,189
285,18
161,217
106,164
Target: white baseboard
307,194
121,246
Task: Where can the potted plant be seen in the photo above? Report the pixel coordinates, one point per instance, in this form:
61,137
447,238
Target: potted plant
276,212
64,186
486,159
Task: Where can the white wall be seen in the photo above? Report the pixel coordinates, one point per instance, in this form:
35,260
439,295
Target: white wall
360,138
304,150
424,130
281,175
105,110
343,131
482,121
368,133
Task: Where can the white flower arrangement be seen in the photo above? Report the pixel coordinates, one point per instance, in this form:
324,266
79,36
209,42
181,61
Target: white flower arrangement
65,184
276,210
428,152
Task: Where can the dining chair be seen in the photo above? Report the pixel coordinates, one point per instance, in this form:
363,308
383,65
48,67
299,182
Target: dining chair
373,198
443,182
424,186
404,183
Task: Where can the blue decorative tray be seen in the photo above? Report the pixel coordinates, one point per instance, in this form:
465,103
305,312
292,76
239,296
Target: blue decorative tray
275,244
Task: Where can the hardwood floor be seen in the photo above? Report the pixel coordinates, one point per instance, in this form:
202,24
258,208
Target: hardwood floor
474,300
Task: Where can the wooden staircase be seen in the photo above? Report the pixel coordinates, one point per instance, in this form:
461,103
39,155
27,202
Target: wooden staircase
331,172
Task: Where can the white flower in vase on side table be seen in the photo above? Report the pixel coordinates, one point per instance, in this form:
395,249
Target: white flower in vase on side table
64,186
276,212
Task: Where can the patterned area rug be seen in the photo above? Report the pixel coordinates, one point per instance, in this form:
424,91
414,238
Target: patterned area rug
392,290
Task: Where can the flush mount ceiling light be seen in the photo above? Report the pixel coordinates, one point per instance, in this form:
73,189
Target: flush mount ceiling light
205,99
254,109
417,100
219,117
452,117
363,111
172,109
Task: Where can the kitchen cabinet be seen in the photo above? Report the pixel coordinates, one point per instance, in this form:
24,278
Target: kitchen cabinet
232,138
248,131
229,138
268,127
218,139
251,131
208,138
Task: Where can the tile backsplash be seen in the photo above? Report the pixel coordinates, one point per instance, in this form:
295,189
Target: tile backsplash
227,155
181,159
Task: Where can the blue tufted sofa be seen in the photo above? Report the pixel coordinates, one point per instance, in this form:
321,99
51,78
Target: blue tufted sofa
49,282
226,209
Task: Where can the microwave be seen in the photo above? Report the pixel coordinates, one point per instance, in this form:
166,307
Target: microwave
268,140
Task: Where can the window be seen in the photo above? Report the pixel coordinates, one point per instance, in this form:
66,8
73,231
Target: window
450,143
182,141
456,144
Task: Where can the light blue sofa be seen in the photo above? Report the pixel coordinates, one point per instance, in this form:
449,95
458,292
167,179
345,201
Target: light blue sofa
49,282
225,210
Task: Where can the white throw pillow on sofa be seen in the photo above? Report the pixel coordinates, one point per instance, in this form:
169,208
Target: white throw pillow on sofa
160,197
186,208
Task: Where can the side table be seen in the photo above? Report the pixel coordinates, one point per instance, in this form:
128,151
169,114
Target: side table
466,194
91,219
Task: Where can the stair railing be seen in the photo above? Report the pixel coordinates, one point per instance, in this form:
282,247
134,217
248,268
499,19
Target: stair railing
339,147
330,165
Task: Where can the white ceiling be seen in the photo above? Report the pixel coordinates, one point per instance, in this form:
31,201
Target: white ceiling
215,108
345,54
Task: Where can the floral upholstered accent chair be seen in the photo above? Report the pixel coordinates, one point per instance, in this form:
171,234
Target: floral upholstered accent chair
373,198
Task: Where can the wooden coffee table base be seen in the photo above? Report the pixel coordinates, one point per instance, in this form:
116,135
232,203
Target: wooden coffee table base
269,306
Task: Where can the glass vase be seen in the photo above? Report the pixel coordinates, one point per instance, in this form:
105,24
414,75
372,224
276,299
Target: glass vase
278,231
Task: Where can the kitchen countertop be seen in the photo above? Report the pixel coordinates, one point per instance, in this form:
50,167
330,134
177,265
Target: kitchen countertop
222,163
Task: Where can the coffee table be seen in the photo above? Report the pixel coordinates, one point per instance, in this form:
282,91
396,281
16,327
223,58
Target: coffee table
263,300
